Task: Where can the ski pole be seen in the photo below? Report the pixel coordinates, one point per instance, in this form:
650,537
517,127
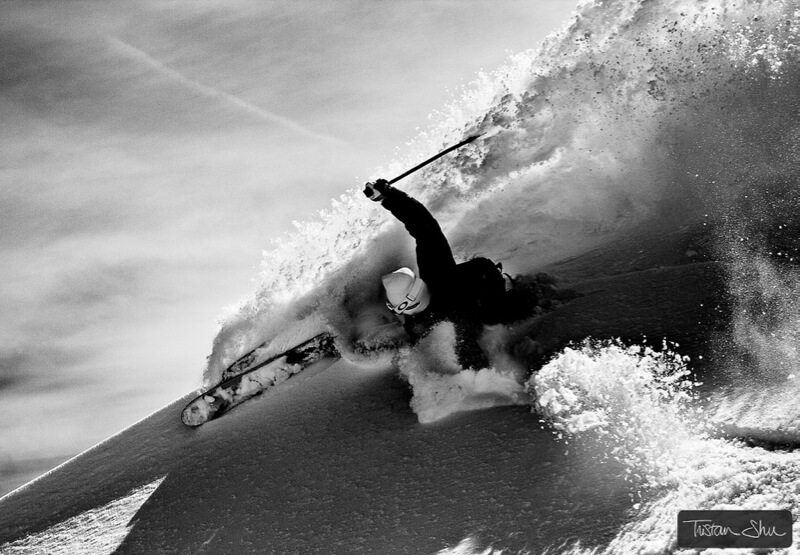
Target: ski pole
436,157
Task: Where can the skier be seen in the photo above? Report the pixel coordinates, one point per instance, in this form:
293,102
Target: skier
470,294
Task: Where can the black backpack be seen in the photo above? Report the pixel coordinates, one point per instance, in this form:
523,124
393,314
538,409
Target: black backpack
484,286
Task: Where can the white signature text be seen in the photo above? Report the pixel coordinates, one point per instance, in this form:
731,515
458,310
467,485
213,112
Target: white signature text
756,529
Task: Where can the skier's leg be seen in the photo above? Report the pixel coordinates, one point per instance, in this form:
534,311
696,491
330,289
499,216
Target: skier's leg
468,351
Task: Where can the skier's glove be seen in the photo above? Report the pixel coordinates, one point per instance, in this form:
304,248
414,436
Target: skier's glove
375,190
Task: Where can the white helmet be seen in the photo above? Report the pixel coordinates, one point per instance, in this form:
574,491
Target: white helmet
405,292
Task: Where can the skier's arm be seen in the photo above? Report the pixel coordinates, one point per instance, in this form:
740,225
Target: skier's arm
434,256
419,222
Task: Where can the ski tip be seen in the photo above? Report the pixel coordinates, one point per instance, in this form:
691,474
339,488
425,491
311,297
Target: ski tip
198,412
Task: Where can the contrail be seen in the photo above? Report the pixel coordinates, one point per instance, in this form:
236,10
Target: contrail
211,92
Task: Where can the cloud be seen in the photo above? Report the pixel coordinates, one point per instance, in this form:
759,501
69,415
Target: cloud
12,369
98,284
41,367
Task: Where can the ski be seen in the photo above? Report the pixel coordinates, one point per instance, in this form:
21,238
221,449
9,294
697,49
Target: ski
246,361
263,376
242,363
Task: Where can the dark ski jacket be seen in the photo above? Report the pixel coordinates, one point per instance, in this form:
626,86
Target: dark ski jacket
469,294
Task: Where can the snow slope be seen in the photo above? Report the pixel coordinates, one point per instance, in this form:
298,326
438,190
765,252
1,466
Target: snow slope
646,155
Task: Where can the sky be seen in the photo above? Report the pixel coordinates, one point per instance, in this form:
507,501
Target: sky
151,150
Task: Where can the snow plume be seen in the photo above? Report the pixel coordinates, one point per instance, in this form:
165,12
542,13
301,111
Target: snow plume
634,111
471,546
468,546
762,361
639,408
714,475
633,401
766,317
441,387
